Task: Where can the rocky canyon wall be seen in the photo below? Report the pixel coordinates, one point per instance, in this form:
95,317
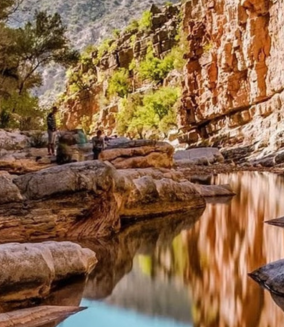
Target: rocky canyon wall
232,82
90,105
233,87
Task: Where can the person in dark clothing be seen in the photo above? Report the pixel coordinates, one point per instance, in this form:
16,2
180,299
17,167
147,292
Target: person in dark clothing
51,130
98,144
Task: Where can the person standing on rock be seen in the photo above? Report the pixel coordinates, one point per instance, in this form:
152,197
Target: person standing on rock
51,130
98,144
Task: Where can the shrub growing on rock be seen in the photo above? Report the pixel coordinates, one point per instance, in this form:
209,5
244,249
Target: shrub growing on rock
145,23
119,83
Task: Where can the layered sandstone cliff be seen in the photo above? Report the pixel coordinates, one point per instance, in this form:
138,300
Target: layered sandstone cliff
86,102
232,82
233,90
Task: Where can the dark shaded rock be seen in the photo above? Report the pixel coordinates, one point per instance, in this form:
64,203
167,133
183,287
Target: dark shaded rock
238,155
155,10
159,20
76,136
279,300
63,154
125,57
64,151
268,161
271,277
279,222
279,158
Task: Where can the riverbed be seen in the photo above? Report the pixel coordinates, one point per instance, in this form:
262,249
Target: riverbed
189,269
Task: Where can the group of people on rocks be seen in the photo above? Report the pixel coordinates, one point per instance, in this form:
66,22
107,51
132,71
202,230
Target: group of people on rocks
98,141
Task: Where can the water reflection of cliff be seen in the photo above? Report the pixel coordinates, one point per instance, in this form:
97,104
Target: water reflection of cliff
208,259
230,241
144,289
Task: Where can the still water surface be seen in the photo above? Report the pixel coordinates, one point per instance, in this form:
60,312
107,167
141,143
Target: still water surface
191,270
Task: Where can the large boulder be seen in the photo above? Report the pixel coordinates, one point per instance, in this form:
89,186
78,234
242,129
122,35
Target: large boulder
198,156
33,269
13,140
77,200
155,192
139,154
271,277
8,190
88,199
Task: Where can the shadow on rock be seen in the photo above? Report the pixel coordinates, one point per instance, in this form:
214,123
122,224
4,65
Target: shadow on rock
115,256
279,300
67,294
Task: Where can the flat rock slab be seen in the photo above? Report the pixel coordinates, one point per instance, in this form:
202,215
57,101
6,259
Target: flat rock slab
158,192
271,277
215,190
139,154
31,270
35,317
200,156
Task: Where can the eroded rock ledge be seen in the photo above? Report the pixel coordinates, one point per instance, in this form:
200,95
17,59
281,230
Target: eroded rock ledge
77,199
34,269
233,89
88,199
45,316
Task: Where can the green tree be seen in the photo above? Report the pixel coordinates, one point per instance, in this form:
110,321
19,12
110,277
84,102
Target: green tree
152,112
38,44
26,113
23,52
127,112
119,83
7,7
145,23
161,101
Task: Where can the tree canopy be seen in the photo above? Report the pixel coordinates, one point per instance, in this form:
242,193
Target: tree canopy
23,52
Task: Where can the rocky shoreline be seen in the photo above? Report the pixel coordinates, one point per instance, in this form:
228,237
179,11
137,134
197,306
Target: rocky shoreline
89,201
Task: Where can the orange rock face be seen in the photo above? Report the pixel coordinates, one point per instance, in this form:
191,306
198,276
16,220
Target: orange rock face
233,74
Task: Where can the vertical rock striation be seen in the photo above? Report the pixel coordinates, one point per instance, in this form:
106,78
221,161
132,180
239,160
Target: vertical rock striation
234,82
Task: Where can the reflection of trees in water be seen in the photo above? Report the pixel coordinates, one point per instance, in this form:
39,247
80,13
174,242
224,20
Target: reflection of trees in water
230,241
212,259
151,243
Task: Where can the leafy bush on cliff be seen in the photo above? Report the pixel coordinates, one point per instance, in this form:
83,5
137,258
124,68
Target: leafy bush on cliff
153,112
145,23
127,112
119,83
86,54
104,47
157,69
161,101
132,27
150,68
